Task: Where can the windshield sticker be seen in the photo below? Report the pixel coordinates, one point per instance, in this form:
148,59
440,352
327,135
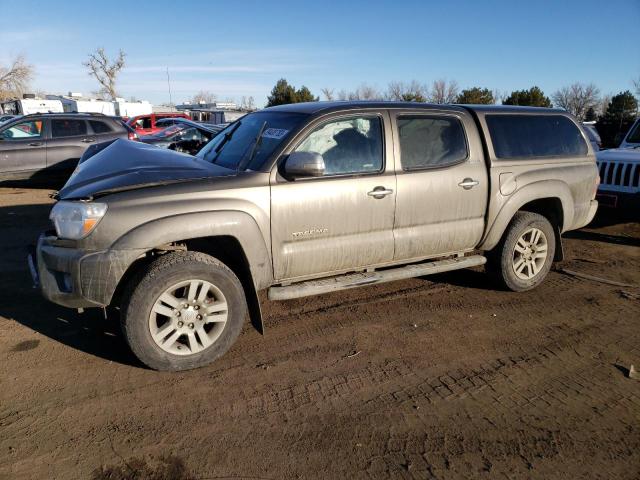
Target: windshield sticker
276,133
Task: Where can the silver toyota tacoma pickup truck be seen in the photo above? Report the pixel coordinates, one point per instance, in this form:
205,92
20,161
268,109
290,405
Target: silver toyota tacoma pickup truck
306,199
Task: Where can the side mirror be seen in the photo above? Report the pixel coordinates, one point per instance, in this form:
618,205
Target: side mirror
304,164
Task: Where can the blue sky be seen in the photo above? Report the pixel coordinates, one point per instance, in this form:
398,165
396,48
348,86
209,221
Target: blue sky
236,48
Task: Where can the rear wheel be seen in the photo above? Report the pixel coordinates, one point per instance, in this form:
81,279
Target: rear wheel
523,258
183,312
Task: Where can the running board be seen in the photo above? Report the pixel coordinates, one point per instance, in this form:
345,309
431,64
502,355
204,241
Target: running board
353,280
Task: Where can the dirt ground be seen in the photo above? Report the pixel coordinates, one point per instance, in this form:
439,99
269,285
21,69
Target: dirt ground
441,377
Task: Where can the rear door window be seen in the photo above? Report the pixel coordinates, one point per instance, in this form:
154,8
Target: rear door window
67,127
431,142
535,136
100,127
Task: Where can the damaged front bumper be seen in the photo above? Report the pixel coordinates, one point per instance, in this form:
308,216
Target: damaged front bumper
78,278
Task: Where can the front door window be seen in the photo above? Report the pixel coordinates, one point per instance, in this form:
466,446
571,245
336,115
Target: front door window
348,145
31,129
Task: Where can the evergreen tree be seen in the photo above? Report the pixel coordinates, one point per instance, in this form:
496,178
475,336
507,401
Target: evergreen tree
281,94
534,97
476,95
413,97
617,119
305,95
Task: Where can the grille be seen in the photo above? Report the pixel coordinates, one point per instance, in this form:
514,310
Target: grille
619,174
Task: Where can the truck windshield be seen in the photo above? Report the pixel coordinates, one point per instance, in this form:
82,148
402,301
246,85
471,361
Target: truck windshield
234,146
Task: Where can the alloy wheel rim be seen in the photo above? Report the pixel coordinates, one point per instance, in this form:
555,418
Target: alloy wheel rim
188,317
530,253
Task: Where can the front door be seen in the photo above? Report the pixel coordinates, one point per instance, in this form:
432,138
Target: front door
442,184
344,219
22,148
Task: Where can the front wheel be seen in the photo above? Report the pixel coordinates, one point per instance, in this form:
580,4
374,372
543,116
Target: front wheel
185,311
523,258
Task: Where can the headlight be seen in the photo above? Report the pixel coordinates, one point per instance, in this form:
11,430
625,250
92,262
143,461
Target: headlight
76,220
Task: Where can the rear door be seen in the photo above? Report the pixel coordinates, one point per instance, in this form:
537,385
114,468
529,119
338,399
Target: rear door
442,184
68,139
104,130
22,148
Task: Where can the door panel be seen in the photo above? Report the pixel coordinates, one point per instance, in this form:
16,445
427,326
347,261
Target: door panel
435,214
329,225
68,140
103,131
337,222
22,148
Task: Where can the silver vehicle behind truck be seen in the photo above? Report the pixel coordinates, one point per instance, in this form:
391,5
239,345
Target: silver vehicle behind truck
306,199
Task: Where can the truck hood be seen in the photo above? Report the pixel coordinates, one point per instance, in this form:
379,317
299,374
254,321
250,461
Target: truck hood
126,165
619,154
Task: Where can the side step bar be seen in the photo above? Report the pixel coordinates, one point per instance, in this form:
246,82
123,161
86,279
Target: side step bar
353,280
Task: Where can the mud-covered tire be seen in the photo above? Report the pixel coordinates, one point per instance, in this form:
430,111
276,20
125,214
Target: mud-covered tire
141,304
504,261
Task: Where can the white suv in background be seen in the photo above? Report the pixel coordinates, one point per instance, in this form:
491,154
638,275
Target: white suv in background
593,135
620,173
632,139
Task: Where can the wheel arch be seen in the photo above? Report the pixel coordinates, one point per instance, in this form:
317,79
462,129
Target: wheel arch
551,199
232,231
232,237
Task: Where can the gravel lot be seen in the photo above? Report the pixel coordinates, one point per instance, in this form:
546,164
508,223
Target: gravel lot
442,377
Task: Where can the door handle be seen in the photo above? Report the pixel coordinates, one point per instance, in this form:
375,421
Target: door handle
35,144
468,183
380,192
88,140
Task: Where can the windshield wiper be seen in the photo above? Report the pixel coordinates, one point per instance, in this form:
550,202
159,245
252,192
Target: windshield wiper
227,137
256,143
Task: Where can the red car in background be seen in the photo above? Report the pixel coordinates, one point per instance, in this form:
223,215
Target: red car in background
146,124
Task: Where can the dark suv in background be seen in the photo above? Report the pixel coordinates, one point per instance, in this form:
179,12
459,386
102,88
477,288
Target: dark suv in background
46,144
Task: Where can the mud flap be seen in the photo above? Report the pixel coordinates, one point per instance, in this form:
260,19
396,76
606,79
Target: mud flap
255,311
33,267
559,255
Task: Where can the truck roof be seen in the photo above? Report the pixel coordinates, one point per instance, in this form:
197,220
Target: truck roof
325,107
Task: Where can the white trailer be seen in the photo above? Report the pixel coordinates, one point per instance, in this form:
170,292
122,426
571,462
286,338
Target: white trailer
26,106
132,109
76,103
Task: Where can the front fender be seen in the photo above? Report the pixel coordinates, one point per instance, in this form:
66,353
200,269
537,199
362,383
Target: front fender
187,226
514,202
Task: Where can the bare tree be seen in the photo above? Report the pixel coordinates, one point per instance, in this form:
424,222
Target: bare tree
443,91
577,99
343,95
602,106
498,95
247,103
413,92
636,85
105,71
14,79
328,93
395,90
365,92
203,96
